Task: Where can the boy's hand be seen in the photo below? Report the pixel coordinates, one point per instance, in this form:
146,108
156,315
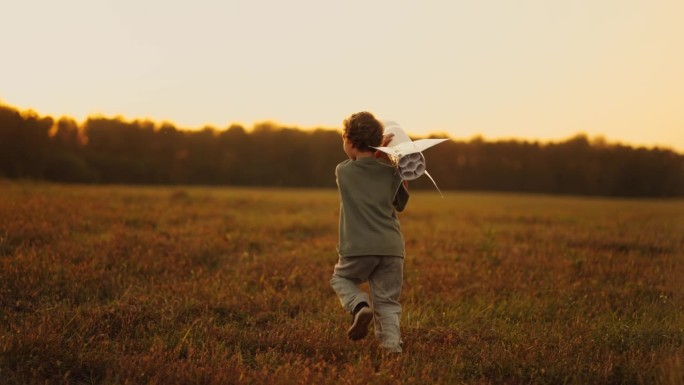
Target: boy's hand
386,139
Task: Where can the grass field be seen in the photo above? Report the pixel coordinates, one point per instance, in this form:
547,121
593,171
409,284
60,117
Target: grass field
189,285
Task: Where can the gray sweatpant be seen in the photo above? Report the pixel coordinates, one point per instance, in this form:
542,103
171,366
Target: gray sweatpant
384,275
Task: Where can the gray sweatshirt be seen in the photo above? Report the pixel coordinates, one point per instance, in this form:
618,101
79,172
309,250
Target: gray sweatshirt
371,193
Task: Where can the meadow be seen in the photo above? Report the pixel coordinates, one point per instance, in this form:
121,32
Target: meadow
199,285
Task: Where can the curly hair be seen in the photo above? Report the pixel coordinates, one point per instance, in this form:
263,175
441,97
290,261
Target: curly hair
363,131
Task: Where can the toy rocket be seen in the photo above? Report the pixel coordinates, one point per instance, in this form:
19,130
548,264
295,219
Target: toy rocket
407,154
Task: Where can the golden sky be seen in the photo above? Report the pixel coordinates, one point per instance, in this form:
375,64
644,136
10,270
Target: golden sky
528,69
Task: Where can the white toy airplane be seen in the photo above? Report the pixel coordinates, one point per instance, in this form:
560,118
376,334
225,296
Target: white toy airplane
407,154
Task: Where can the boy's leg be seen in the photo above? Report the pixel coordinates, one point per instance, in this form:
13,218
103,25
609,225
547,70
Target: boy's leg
349,273
385,284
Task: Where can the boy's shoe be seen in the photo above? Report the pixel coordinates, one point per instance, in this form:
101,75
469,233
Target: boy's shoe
359,328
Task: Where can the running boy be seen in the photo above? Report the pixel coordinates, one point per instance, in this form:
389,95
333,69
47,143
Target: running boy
371,246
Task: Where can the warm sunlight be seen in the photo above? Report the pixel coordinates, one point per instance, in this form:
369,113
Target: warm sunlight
500,69
342,192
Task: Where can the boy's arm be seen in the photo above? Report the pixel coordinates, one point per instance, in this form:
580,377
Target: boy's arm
383,156
401,197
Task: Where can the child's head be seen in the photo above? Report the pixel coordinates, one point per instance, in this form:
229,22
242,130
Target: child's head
362,130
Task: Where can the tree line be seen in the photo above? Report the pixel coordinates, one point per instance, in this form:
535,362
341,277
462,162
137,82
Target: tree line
113,150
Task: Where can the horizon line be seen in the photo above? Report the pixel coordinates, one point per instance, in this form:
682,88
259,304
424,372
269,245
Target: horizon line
158,123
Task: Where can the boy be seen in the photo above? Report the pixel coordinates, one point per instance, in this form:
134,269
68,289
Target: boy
371,246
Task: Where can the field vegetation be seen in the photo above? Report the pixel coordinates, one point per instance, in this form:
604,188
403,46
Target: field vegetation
197,285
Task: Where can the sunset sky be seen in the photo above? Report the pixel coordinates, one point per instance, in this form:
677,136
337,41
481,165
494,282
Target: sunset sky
542,69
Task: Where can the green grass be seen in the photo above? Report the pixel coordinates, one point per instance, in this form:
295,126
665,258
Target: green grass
190,285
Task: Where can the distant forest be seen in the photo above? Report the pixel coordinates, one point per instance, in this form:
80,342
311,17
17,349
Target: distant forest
112,150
